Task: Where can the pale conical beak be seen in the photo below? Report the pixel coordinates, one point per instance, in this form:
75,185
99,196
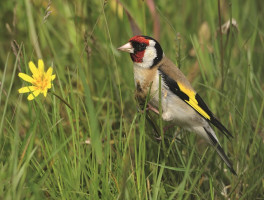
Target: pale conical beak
127,48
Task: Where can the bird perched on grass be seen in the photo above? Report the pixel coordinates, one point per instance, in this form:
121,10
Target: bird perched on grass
180,103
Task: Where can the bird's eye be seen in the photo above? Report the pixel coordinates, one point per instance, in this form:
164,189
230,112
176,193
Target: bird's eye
138,46
141,46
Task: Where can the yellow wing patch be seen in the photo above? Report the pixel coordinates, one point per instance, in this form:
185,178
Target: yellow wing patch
192,100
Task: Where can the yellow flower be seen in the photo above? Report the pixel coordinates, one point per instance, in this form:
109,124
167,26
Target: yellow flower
40,80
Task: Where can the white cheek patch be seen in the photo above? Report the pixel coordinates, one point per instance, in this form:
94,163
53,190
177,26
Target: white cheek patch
152,43
149,56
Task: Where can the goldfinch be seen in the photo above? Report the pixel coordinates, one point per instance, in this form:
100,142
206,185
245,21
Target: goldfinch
180,103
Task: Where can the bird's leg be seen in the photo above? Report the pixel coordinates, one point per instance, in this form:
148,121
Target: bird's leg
150,107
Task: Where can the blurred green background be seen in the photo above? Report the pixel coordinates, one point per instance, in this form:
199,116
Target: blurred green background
105,148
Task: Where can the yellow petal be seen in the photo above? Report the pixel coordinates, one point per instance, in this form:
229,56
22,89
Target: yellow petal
33,68
27,89
45,93
33,95
26,77
49,85
53,77
41,66
49,72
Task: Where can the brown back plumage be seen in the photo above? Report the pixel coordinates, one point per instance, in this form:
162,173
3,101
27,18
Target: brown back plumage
171,70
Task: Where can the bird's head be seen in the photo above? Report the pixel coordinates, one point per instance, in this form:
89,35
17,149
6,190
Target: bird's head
145,51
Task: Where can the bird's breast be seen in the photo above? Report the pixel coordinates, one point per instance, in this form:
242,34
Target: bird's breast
145,79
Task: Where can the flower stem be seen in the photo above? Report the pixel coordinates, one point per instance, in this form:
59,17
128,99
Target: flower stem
61,100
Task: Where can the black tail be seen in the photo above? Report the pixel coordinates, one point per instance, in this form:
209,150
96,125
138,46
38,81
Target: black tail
220,151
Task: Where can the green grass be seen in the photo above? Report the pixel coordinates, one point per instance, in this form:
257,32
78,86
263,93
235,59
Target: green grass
43,153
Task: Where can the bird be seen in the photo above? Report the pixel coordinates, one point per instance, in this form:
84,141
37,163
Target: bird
180,103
